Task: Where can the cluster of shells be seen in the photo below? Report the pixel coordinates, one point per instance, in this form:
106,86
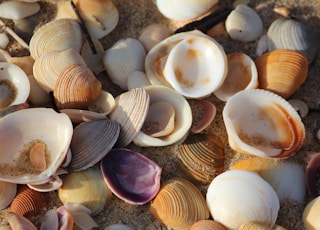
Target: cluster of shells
62,130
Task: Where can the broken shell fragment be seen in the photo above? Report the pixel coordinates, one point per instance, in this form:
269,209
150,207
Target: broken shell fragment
313,175
131,176
310,215
203,113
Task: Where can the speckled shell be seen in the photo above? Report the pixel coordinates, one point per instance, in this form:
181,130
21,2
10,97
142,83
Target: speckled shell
282,71
207,225
201,157
179,204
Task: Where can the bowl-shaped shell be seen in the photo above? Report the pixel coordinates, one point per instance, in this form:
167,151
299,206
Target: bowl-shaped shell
182,120
131,176
86,149
282,71
236,197
266,125
86,188
7,192
313,175
179,204
104,104
310,215
208,225
14,85
56,35
201,157
76,87
21,132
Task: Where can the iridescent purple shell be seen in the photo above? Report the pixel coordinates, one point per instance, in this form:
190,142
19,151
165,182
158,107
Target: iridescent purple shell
131,176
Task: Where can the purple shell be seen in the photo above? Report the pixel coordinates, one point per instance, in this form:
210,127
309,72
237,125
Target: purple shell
131,176
313,175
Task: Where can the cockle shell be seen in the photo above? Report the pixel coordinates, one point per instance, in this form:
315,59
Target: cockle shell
18,10
208,225
244,24
104,104
201,157
179,204
27,128
7,193
310,215
56,35
282,71
76,87
266,125
238,196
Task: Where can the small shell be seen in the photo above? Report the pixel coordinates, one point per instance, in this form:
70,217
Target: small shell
25,63
53,184
312,175
79,115
18,222
244,24
203,113
208,225
179,204
282,71
7,193
18,10
201,157
104,104
242,75
50,220
310,215
300,106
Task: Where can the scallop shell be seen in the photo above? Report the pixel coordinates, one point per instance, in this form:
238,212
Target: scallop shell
87,188
282,71
18,10
122,58
76,87
208,225
266,125
87,150
242,74
310,215
7,193
130,112
179,204
201,157
288,33
244,24
58,34
235,197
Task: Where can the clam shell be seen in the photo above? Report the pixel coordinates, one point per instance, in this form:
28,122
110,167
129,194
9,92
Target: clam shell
235,198
18,10
288,33
201,157
312,175
261,127
87,188
104,104
282,71
87,150
310,215
208,225
203,113
19,222
58,34
7,193
179,204
130,112
137,79
76,87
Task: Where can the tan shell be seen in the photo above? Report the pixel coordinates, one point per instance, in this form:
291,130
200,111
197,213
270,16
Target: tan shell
310,215
201,157
207,225
258,226
58,34
86,149
130,112
179,204
79,115
76,87
282,71
7,193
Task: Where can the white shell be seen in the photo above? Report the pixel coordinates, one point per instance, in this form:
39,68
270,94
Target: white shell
38,97
310,216
244,24
238,196
184,9
18,10
53,184
104,104
4,56
4,40
30,125
137,79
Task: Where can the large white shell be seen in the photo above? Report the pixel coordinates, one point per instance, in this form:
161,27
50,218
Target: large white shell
238,196
19,129
18,10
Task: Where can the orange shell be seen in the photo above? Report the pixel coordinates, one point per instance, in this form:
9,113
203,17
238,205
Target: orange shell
207,225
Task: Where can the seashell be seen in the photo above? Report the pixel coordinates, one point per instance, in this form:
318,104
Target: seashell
282,71
131,176
118,227
203,113
244,24
184,10
182,121
13,109
262,45
300,106
137,79
4,56
56,35
100,16
130,112
37,96
104,104
312,175
153,34
288,33
208,225
25,27
66,220
50,220
76,87
73,207
79,115
261,127
234,207
18,222
48,67
259,226
242,75
85,154
53,184
179,204
18,10
24,62
310,215
122,58
14,85
87,188
93,60
7,193
190,65
283,11
81,215
27,128
201,157
4,39
29,202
